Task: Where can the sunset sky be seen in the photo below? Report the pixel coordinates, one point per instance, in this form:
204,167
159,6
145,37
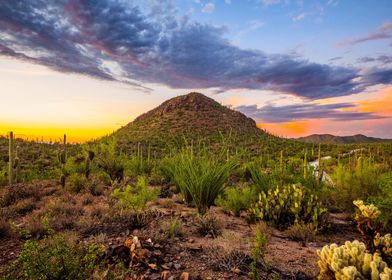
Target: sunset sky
297,67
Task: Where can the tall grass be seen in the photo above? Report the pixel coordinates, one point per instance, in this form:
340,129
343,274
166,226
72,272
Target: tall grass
200,176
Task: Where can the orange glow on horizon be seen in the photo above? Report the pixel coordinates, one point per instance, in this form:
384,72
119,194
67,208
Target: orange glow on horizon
291,129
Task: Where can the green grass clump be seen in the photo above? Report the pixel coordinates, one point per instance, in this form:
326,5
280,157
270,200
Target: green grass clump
201,177
136,197
237,199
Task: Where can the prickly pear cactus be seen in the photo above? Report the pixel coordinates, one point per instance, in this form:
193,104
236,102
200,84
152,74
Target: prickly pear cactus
288,205
351,261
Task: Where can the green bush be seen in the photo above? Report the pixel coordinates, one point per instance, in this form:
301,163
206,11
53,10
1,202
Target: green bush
236,199
53,258
76,183
109,161
201,177
289,205
361,182
136,197
262,180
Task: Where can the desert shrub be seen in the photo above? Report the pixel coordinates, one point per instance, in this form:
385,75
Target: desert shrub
289,205
5,228
263,181
208,225
236,199
301,232
222,259
14,194
36,226
257,253
23,206
53,258
76,183
201,177
351,261
361,182
172,227
136,197
111,162
137,166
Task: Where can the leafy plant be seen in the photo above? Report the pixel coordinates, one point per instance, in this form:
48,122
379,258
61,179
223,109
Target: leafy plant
53,258
257,254
236,199
136,197
111,162
289,205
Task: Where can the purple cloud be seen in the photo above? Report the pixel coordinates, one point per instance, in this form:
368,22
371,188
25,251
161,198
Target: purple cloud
383,32
297,112
85,37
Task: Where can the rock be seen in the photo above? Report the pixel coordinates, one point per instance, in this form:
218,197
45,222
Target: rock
154,276
165,266
177,266
184,276
165,275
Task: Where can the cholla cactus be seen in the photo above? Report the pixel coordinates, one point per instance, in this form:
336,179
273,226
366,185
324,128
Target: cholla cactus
367,222
351,261
383,245
367,211
289,205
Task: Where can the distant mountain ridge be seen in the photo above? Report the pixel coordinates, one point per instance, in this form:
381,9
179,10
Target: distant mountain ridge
333,139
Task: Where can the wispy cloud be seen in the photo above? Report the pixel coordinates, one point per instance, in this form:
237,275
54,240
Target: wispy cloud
383,59
86,37
208,8
300,112
383,32
299,17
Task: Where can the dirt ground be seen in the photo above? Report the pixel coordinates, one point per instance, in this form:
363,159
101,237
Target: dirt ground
201,256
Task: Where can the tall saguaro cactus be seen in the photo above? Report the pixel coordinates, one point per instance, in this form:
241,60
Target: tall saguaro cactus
320,171
62,156
11,159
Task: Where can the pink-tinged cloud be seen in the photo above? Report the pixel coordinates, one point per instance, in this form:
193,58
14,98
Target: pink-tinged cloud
82,36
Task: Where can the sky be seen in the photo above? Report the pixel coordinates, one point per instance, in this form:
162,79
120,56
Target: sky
298,67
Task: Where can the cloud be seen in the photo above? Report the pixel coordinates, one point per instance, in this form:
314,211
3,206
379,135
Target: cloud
88,37
270,2
335,58
228,2
208,8
383,59
300,112
383,32
299,17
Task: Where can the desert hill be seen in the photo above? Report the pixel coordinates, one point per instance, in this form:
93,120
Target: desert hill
332,139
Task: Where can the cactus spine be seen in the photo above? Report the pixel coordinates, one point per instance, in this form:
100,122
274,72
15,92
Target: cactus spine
62,156
11,159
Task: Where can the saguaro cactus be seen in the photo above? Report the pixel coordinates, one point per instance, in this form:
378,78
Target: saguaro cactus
16,165
320,170
62,157
11,159
305,164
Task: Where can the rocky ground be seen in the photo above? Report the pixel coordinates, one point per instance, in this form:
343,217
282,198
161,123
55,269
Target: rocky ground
218,247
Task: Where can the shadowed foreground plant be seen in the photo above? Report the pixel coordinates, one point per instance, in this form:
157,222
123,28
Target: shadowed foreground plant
136,197
53,258
201,177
